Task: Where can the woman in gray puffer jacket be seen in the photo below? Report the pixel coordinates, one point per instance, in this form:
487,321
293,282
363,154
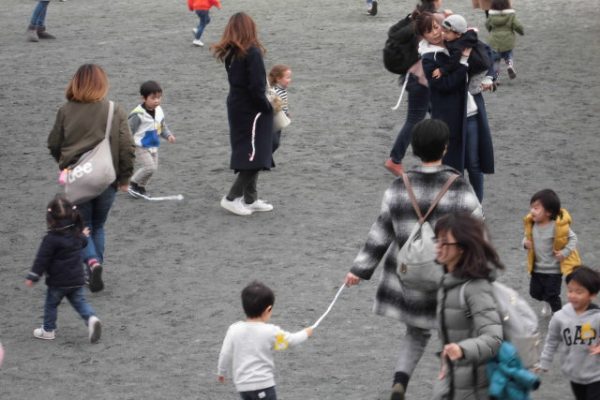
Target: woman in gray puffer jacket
470,329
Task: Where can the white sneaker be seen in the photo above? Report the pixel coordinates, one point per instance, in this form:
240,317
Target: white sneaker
236,206
198,43
545,310
259,205
94,328
195,30
40,333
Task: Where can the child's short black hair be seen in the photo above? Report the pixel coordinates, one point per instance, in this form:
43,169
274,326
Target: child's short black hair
549,200
586,277
150,87
429,139
256,297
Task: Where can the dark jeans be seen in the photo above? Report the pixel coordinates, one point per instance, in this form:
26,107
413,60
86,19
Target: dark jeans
38,18
472,163
591,391
76,297
204,20
244,185
418,104
94,214
546,287
276,140
262,394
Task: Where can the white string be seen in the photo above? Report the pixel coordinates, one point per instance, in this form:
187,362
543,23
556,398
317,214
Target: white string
254,136
401,93
328,308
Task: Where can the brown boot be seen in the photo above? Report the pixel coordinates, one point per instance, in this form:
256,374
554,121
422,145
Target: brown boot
32,35
42,34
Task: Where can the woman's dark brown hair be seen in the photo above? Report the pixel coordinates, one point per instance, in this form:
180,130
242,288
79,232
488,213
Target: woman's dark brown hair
423,22
478,254
239,35
88,85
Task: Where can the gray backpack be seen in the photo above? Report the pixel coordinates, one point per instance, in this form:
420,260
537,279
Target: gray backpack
417,267
94,171
519,322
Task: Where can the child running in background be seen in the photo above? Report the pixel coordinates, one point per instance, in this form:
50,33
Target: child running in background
577,326
60,257
502,23
551,246
37,26
280,77
248,345
147,123
201,8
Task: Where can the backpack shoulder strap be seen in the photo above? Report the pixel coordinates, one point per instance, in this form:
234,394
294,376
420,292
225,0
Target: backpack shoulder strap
111,111
462,300
441,194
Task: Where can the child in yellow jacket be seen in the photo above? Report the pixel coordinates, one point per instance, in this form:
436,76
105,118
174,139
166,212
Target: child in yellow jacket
202,7
551,246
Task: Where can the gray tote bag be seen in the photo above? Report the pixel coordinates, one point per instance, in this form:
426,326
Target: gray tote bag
94,171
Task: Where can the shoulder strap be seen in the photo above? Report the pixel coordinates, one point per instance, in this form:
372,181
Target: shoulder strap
111,111
413,199
462,300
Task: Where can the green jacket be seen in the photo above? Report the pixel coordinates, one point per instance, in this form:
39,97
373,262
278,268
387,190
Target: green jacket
79,127
502,26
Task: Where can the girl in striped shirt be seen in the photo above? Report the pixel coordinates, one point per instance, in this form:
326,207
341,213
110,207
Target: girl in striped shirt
280,77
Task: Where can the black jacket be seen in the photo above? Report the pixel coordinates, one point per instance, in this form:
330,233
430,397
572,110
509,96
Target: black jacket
60,258
479,60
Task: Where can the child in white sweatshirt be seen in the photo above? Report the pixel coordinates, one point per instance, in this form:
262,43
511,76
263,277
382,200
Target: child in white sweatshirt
248,345
577,327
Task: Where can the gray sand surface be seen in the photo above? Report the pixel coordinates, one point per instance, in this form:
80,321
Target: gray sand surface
174,271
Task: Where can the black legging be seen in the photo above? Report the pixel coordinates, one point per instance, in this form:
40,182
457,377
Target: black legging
244,185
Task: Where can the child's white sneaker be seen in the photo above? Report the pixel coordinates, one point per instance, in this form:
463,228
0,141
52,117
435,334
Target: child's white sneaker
198,43
236,206
40,333
545,310
94,328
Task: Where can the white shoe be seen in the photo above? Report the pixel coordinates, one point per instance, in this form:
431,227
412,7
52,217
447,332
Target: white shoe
40,333
236,206
195,30
94,328
259,205
545,310
198,43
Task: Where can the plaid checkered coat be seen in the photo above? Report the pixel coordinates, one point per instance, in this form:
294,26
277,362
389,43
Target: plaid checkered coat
390,231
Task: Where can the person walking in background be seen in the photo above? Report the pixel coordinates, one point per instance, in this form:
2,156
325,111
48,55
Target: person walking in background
80,125
280,77
414,306
147,123
249,112
418,96
37,25
576,328
551,248
372,7
502,23
202,8
60,259
470,329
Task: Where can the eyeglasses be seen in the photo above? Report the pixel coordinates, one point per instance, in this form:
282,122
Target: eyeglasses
441,243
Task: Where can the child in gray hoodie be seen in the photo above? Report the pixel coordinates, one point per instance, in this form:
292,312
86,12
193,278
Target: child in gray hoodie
577,327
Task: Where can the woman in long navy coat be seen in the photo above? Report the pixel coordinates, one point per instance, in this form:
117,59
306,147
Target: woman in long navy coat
471,149
249,112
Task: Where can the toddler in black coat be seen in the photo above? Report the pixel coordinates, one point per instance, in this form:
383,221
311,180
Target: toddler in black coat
60,258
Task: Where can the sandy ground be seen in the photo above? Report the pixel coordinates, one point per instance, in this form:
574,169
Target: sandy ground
174,270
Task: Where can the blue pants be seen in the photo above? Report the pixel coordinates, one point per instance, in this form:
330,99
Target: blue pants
262,394
418,104
204,20
76,297
472,163
95,213
38,17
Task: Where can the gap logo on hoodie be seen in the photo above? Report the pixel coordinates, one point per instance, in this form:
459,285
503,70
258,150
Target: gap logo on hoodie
583,334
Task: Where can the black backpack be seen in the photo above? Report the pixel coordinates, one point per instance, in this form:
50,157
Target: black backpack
400,51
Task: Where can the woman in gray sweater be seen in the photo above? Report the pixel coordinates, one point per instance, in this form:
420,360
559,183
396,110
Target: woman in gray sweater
470,330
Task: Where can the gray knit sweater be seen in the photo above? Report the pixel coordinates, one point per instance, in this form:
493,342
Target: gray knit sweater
392,228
